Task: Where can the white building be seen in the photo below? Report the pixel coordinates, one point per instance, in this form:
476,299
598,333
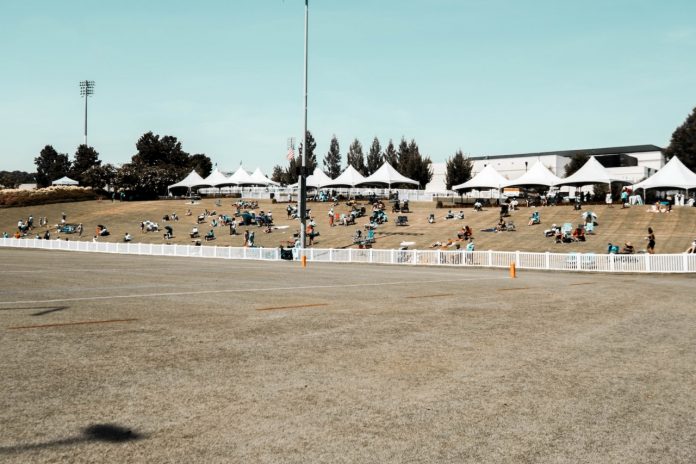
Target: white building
632,163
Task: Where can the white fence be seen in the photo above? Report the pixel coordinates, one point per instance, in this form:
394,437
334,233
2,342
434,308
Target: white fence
588,262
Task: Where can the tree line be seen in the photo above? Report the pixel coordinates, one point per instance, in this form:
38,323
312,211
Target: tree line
407,159
158,163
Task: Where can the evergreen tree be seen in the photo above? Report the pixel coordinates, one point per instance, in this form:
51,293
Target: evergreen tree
50,165
355,157
403,157
332,160
85,158
576,162
292,172
683,144
278,174
458,169
374,157
420,166
390,155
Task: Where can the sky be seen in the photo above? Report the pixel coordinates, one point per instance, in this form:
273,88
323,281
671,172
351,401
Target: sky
486,77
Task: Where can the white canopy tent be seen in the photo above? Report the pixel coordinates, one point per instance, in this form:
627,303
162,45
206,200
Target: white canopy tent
65,181
217,179
673,174
241,177
387,175
318,179
538,175
192,180
260,178
592,172
348,178
488,178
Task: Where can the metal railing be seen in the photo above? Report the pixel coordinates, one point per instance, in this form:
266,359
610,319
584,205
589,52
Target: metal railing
586,262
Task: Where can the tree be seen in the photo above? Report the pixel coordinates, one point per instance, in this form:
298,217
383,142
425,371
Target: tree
332,160
50,165
458,169
201,163
156,151
292,172
412,164
278,174
355,157
145,182
11,179
374,157
577,161
390,155
85,158
99,177
683,142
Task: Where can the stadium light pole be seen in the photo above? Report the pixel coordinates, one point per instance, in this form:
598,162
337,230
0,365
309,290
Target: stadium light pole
303,168
86,89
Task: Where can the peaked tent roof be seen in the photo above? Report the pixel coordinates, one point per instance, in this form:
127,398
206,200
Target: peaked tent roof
592,172
217,179
190,181
260,178
537,175
65,181
350,177
318,179
672,174
488,178
386,174
241,177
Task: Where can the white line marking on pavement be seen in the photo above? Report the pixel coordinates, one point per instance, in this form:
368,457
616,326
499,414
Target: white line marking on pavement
245,290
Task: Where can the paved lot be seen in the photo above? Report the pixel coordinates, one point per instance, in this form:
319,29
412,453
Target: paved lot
110,358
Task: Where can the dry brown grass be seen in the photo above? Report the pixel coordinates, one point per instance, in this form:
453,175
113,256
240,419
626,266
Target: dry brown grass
356,364
674,231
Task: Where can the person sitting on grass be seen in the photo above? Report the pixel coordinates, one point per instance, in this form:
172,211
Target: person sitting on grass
692,248
535,218
466,233
210,235
127,237
628,249
478,206
579,233
501,226
194,232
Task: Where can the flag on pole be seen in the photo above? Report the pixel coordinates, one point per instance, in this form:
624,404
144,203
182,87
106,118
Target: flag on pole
291,154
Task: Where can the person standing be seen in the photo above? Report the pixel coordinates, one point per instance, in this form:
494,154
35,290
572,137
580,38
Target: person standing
608,200
246,237
651,241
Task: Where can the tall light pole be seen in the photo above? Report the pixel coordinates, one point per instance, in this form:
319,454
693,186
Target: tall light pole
303,168
86,89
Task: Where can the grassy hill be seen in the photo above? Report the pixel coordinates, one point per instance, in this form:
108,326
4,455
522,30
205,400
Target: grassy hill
674,231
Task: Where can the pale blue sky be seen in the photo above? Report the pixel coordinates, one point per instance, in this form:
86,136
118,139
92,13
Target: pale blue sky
225,77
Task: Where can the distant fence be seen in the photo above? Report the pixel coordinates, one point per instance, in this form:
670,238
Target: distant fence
588,262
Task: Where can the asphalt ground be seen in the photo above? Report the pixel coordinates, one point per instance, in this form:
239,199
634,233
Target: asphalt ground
114,358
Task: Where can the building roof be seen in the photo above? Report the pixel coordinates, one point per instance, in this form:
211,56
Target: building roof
586,151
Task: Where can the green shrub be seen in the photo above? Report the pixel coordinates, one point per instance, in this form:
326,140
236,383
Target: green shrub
14,198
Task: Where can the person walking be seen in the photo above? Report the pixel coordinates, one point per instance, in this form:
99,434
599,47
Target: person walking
651,241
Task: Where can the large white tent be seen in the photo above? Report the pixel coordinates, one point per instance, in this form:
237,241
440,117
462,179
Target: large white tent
193,180
592,172
241,177
217,179
387,175
673,174
488,178
318,179
259,178
348,178
65,181
538,175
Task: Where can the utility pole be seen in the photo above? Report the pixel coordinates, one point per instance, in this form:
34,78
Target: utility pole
86,89
303,168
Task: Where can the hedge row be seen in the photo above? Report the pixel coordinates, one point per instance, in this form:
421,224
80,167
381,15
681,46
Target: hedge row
14,198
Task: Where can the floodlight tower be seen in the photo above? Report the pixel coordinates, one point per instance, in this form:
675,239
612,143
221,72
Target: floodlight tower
86,89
